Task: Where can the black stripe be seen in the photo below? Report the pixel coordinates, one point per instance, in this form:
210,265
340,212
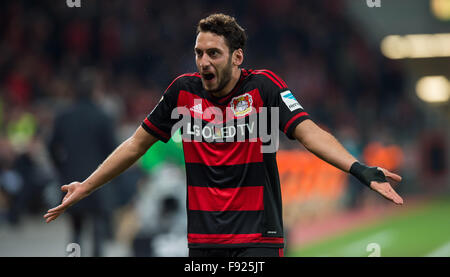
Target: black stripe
153,133
291,128
227,222
273,80
276,77
226,176
201,130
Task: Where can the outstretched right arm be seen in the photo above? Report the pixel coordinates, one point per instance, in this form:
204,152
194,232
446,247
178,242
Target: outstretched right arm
124,156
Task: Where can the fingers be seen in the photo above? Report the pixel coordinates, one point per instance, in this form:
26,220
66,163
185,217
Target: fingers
66,197
67,201
395,197
51,216
65,188
55,212
388,192
392,176
59,208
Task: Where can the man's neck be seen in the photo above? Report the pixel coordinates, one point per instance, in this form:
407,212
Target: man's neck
235,76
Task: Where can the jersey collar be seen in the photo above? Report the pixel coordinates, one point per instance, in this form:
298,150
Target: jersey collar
224,100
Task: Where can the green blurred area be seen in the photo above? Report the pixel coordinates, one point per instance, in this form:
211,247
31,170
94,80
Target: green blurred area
170,152
420,232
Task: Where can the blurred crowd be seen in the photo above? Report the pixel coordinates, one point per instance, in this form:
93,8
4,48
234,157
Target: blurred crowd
135,48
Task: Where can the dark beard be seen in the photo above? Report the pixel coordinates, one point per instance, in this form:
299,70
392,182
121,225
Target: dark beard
225,78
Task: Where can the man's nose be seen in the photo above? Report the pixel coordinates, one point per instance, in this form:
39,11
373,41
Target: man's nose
204,62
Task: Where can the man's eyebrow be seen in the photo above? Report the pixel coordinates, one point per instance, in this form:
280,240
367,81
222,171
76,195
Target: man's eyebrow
208,49
214,48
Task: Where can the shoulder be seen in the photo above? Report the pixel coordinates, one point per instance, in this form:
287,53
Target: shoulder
269,84
184,80
265,79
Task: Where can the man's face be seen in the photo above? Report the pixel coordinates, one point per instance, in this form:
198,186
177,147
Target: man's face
213,60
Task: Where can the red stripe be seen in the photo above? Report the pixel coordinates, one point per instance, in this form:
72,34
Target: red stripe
183,75
268,76
155,129
275,76
294,118
222,153
280,81
226,199
188,99
232,238
280,252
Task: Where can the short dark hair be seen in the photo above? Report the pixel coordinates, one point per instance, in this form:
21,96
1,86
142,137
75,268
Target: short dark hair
226,26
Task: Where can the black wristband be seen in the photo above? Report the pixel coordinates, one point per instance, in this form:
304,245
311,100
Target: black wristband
367,174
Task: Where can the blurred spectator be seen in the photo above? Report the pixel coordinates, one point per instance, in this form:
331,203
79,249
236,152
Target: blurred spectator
11,183
83,137
24,178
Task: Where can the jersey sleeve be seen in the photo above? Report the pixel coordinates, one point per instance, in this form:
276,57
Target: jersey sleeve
277,94
159,122
291,112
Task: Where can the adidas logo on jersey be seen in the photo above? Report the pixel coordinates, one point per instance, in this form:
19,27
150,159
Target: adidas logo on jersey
197,109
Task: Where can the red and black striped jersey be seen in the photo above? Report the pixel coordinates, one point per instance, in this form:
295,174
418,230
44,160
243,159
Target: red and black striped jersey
233,187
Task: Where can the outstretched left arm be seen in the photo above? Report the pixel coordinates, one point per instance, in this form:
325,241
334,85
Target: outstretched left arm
327,147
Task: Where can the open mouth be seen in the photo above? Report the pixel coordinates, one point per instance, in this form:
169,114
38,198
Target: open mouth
208,76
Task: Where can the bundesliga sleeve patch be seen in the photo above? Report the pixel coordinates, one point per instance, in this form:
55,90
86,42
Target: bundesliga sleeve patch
290,101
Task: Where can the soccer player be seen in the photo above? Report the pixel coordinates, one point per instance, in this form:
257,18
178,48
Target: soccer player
233,188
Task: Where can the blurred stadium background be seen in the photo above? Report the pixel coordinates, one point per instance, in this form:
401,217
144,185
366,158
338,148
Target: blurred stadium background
376,77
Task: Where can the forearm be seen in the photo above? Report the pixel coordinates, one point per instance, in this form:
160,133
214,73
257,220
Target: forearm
325,146
123,157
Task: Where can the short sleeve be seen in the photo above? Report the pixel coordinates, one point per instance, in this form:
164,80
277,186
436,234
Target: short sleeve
277,94
160,121
291,112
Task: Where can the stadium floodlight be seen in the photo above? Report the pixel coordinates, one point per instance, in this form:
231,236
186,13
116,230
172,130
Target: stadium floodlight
416,46
433,89
440,9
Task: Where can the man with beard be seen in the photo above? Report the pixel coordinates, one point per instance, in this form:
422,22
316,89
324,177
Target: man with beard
233,189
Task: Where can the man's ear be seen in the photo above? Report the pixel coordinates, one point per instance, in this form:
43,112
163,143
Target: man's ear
238,57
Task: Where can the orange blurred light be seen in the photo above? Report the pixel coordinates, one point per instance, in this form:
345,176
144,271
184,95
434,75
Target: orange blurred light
389,157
